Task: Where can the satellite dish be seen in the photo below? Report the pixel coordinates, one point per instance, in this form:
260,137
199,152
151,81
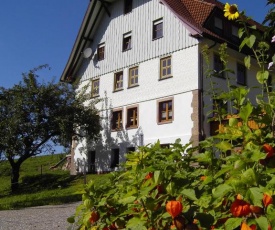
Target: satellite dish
87,52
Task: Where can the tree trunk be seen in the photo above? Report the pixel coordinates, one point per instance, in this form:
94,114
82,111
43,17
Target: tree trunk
15,177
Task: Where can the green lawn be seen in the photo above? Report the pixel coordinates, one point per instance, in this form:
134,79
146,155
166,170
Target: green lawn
41,186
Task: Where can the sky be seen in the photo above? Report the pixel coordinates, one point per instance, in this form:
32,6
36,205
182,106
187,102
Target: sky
38,32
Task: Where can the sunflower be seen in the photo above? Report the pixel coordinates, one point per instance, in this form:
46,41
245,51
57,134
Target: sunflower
231,11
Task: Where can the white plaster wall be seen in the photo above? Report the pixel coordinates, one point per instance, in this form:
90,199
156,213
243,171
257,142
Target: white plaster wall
146,95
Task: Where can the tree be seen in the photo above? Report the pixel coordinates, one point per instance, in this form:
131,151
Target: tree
36,116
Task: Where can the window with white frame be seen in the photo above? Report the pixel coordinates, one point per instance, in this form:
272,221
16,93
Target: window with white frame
127,41
157,28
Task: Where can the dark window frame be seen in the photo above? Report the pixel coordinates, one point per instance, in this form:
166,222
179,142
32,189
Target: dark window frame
157,29
127,41
241,74
218,66
101,52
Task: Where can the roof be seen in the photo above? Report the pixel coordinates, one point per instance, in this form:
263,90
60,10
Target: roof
193,13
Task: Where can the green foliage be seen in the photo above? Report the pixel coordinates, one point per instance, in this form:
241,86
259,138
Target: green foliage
35,116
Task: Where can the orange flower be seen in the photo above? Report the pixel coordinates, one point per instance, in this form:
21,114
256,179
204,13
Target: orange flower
267,199
240,208
239,197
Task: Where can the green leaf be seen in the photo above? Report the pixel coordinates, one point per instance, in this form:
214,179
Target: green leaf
223,171
221,190
262,222
249,177
270,214
170,188
136,224
251,40
157,177
233,121
233,223
255,196
247,62
190,193
224,146
262,76
127,200
242,44
245,112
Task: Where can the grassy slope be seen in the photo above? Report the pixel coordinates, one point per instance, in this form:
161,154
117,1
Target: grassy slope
41,186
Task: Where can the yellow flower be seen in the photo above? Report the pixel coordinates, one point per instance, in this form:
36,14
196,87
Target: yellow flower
231,11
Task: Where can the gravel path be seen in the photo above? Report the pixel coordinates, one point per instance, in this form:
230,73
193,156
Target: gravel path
49,217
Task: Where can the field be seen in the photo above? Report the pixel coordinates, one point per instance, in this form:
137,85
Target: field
40,185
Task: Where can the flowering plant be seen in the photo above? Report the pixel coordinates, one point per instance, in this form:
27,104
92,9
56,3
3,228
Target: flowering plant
166,189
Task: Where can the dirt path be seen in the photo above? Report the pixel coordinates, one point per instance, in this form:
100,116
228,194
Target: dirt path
50,217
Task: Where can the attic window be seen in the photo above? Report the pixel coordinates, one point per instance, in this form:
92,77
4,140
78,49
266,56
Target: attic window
100,51
128,5
127,41
218,25
158,29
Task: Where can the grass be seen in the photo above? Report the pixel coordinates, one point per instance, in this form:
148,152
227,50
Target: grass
41,186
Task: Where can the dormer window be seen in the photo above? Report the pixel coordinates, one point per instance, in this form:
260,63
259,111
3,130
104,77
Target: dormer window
128,5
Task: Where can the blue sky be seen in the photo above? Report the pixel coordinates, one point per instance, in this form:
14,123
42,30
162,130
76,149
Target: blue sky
36,32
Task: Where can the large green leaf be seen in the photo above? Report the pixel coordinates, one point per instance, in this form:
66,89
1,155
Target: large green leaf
136,224
245,112
127,200
255,195
247,62
221,190
249,177
251,40
270,214
190,193
262,76
232,223
262,222
224,146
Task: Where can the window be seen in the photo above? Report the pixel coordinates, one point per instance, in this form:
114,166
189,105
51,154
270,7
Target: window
127,41
114,158
133,76
218,26
158,29
218,66
100,51
165,111
128,5
165,146
95,88
118,81
117,120
130,149
241,74
91,161
165,67
132,117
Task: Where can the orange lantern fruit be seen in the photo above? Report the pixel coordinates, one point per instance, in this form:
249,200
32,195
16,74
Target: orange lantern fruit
268,149
174,208
267,199
94,217
240,208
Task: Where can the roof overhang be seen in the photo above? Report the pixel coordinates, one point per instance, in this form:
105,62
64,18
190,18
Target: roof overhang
85,35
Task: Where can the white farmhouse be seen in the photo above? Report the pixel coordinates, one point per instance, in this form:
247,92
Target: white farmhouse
143,57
